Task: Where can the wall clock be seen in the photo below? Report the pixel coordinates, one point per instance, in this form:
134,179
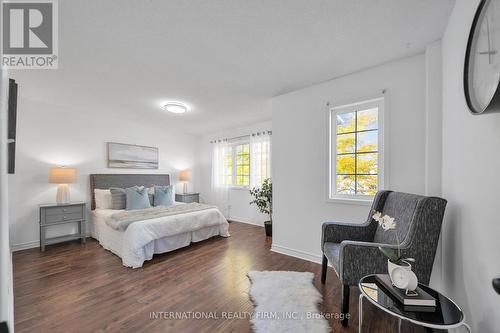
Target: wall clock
482,60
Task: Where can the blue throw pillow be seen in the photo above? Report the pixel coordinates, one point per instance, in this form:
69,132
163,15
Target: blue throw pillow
137,197
164,195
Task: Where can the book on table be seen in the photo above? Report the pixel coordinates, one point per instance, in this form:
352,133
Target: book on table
421,299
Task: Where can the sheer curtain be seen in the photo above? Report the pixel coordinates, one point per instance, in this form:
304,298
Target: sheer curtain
221,155
260,157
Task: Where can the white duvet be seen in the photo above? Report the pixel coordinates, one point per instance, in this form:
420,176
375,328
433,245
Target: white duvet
139,234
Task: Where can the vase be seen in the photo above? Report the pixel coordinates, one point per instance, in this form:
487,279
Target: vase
391,266
269,228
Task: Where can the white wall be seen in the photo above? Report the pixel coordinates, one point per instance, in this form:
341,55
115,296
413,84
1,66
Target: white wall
300,144
6,288
433,119
434,137
49,135
471,179
239,199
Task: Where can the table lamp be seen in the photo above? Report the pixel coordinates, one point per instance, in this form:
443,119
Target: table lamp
62,176
185,176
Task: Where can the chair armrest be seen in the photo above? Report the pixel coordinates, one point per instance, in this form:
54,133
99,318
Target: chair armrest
358,259
335,232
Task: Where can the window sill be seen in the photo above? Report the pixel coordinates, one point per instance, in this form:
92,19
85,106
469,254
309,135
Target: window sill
240,188
351,201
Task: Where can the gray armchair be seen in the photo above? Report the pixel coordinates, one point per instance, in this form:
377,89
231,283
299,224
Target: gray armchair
352,249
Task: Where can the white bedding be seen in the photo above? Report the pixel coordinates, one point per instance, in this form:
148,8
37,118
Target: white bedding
142,239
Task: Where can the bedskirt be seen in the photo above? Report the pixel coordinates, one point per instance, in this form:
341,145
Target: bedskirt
115,241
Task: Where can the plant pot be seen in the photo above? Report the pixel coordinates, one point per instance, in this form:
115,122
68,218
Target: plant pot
268,225
391,266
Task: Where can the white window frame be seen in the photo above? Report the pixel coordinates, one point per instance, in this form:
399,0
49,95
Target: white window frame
378,102
233,157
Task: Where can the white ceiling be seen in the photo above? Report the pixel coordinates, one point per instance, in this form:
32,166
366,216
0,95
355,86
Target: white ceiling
224,58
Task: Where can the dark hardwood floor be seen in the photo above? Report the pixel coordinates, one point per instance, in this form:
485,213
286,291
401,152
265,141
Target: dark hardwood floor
84,288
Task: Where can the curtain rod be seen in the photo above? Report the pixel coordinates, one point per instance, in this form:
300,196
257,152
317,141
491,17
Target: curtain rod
242,136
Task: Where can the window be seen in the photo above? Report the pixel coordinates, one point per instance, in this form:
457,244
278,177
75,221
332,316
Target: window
246,163
237,165
356,148
242,164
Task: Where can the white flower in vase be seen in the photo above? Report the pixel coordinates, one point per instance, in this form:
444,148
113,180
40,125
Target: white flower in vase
388,223
394,257
378,217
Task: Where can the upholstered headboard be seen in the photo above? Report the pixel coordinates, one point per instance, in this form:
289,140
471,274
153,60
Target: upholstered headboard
105,181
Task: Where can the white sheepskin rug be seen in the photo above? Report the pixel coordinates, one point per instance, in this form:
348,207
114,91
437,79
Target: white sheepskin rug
286,302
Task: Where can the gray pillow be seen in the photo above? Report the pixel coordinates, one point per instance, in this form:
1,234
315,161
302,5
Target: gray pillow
118,198
137,197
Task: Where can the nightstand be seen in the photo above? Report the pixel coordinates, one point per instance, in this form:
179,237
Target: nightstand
187,197
57,214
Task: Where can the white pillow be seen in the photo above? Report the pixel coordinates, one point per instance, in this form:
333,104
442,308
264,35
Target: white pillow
102,199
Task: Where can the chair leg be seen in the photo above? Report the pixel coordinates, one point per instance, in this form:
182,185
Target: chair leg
324,269
345,305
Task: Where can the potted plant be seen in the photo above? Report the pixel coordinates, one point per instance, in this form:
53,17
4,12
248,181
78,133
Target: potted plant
263,199
394,257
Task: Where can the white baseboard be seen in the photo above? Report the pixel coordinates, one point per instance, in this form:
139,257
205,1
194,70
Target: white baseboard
297,253
24,246
242,220
31,245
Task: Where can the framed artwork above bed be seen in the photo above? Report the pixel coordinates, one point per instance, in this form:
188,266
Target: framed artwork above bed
126,156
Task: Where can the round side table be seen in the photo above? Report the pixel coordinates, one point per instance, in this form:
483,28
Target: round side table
447,314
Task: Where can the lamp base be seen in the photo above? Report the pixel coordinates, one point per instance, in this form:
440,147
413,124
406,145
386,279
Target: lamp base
62,194
185,188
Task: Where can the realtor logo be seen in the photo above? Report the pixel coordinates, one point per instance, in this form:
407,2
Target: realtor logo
29,38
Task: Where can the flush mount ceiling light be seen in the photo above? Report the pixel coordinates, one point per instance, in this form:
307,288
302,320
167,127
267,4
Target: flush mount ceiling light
175,107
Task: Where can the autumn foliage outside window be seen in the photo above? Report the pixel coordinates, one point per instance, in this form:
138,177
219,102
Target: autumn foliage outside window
356,149
237,165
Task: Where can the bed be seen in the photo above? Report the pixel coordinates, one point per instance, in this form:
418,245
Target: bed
144,238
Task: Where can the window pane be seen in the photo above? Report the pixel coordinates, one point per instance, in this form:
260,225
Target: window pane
367,163
242,167
345,164
345,143
345,185
345,122
368,119
367,185
239,170
367,141
229,179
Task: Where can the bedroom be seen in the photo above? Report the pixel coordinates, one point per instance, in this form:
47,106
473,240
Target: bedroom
180,108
